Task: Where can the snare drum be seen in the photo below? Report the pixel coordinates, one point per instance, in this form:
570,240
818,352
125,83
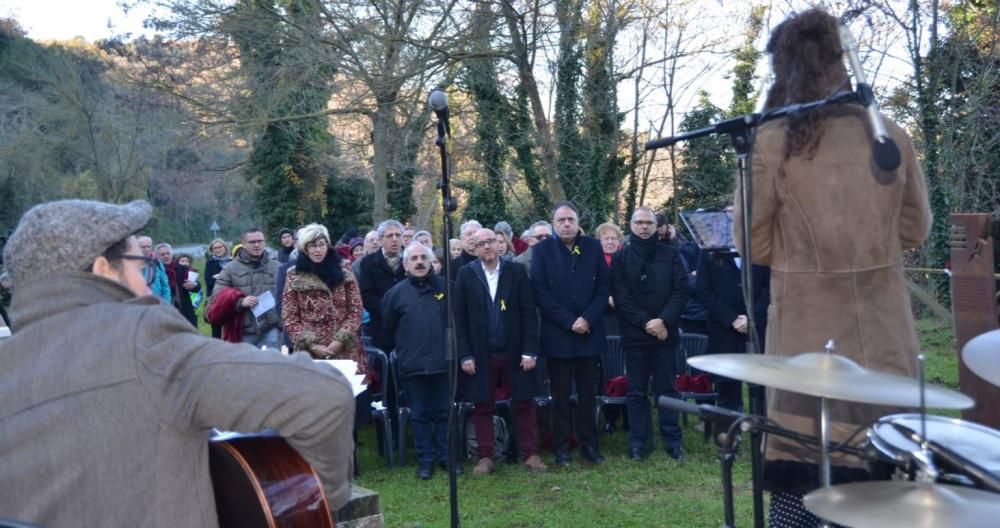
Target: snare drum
977,443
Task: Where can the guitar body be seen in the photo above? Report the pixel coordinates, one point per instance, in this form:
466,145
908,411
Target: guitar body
261,482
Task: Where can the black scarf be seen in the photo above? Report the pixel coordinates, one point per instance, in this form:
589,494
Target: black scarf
644,249
329,270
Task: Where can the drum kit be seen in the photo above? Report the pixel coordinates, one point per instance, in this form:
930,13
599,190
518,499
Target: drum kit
939,471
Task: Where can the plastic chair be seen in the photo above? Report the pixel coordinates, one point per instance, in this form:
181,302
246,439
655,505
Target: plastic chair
695,345
384,416
612,365
402,411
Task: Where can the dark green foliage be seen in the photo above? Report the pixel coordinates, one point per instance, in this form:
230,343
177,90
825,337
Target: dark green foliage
744,99
569,64
705,179
348,203
487,202
518,136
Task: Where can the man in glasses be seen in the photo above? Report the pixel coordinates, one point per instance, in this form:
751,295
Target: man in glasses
650,292
253,273
156,275
111,395
496,332
539,231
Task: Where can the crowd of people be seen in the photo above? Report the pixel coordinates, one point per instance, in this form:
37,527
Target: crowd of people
551,294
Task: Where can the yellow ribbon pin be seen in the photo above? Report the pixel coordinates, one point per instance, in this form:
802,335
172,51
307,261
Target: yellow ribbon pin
503,306
439,296
576,250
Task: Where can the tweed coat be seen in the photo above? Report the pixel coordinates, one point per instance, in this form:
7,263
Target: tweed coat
834,239
313,314
109,399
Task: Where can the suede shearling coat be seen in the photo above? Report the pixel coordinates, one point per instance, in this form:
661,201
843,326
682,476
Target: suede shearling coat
834,238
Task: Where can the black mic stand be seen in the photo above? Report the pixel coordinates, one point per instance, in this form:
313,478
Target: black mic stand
448,206
741,132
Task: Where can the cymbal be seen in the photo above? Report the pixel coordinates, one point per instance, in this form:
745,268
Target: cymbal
982,355
829,376
894,503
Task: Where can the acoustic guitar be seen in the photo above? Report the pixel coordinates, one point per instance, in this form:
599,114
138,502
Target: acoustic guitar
261,482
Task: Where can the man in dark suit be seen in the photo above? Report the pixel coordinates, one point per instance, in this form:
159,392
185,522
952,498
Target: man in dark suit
572,283
719,286
650,292
496,330
380,271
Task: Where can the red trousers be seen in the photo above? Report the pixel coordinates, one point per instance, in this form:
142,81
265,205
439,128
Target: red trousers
524,416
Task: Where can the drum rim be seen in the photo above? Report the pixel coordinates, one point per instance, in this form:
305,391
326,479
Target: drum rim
880,442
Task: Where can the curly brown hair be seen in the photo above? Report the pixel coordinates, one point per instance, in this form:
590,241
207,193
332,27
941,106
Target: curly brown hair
808,64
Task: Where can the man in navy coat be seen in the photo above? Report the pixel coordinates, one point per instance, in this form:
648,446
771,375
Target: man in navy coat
572,284
719,287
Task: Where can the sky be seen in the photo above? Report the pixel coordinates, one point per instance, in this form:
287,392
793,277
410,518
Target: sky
66,19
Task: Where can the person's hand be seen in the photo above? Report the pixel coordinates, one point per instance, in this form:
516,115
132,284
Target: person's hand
528,363
188,285
469,367
740,324
611,302
655,327
320,351
581,326
335,347
249,301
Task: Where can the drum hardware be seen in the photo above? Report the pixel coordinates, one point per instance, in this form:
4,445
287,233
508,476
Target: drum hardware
982,355
894,503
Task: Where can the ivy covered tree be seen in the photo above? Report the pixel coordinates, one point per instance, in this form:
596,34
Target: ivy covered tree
705,179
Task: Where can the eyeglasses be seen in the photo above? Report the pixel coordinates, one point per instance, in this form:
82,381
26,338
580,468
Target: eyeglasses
483,243
148,269
541,237
318,244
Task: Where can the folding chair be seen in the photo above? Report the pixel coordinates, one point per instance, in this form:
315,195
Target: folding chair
612,365
695,345
385,415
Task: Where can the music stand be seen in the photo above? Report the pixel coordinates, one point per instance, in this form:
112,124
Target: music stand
711,229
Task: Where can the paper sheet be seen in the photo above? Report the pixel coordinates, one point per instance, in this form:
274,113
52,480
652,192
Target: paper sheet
265,302
348,367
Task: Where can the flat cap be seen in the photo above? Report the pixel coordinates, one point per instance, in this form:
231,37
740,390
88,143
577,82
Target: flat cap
68,235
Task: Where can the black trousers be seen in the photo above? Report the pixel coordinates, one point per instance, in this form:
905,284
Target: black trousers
562,374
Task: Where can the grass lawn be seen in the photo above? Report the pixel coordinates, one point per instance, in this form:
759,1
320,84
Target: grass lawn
655,492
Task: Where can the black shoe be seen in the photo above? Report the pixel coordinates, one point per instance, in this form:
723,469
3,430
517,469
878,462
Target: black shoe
592,454
609,428
562,458
425,470
636,453
675,452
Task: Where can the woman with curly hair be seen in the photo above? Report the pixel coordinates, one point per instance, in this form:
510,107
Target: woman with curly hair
832,227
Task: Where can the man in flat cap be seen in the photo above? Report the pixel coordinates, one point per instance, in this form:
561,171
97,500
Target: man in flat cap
109,395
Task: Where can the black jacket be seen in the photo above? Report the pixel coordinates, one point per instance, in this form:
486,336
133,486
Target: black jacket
375,280
471,305
413,318
719,288
663,294
213,266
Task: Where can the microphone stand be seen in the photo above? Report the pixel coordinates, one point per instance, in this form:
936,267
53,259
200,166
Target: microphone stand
741,131
448,206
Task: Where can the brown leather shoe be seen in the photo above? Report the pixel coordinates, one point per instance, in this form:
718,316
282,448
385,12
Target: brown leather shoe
483,467
535,464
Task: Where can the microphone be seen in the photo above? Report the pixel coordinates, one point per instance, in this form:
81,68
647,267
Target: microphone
438,101
884,149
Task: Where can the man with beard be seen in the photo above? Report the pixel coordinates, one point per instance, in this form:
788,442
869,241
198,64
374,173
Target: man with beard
413,318
650,291
496,330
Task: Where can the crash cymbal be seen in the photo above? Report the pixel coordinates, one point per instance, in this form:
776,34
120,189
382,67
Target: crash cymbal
982,355
829,376
895,503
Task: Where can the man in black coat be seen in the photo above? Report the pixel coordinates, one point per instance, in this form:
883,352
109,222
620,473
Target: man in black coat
467,234
413,317
572,282
496,329
650,292
719,286
380,271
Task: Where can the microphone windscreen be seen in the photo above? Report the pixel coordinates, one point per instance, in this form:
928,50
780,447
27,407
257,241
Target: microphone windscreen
887,157
438,100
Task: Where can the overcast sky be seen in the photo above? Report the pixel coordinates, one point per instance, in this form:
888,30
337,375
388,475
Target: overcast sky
66,19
